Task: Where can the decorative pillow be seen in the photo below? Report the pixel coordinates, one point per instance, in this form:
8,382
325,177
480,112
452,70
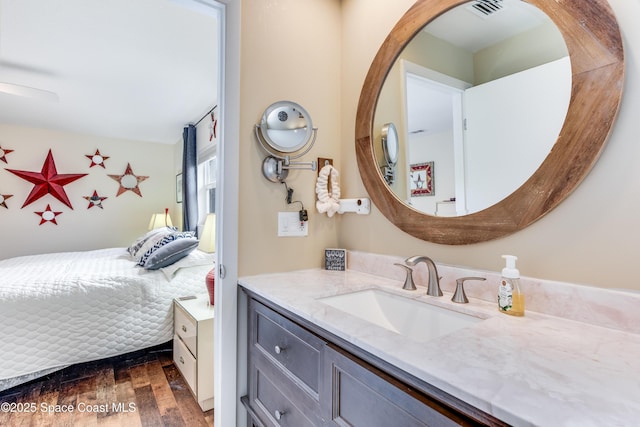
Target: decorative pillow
158,241
134,249
170,253
147,247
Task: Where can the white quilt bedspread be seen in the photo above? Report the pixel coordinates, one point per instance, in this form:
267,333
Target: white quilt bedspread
66,308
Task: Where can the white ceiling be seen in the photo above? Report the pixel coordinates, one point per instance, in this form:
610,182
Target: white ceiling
429,109
129,69
462,26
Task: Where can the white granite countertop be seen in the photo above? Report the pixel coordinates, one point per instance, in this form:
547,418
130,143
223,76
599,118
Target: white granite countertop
536,370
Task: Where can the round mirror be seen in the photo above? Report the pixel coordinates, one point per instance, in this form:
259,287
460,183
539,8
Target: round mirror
129,181
286,127
390,144
597,71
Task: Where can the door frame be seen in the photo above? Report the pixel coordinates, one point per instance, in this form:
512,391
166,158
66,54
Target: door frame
227,411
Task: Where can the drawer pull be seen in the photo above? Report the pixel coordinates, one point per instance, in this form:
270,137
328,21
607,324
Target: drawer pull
279,414
184,328
181,360
278,349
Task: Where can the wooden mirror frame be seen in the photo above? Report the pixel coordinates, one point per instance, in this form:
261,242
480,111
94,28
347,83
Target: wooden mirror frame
593,40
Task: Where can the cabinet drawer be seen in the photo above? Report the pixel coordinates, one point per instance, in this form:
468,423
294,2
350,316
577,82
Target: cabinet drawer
186,328
362,396
293,348
269,399
185,362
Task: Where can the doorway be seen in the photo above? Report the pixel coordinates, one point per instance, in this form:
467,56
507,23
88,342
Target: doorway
434,127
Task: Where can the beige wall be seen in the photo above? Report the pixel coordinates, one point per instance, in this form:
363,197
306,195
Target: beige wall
122,219
290,50
539,46
591,238
317,53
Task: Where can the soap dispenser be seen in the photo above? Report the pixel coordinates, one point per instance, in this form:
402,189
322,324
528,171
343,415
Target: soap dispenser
510,297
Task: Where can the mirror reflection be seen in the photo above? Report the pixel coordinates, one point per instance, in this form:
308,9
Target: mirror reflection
468,104
389,139
286,126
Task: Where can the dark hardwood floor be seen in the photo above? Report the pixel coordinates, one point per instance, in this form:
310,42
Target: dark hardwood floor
137,389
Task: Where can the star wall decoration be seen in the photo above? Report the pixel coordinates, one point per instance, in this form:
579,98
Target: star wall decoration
3,200
96,159
94,200
213,127
129,181
48,181
3,154
418,181
48,215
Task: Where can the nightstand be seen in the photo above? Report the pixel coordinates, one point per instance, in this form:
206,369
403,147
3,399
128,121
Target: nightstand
193,346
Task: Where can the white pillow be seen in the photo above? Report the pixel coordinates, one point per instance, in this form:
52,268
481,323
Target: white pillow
134,249
151,241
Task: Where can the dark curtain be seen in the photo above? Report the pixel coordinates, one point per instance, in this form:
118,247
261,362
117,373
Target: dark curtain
189,179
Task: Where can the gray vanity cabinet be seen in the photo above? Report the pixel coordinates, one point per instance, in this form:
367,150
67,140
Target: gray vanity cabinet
285,370
299,375
361,395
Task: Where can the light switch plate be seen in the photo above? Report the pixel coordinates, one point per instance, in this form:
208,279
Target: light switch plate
289,225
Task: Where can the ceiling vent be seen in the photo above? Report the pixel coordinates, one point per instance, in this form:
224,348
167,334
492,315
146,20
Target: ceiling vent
485,8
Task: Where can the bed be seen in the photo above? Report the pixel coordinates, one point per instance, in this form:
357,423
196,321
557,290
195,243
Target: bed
66,308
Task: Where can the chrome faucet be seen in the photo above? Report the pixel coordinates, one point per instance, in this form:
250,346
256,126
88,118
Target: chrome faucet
408,281
434,280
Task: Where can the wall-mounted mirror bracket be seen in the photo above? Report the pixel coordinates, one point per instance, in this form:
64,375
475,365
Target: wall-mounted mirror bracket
277,169
389,174
285,132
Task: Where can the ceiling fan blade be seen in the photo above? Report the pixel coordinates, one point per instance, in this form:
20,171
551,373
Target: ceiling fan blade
31,69
29,92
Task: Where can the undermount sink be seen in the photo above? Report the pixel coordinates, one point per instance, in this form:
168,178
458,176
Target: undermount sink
413,319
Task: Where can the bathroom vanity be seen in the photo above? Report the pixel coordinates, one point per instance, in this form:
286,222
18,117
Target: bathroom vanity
311,363
305,376
319,355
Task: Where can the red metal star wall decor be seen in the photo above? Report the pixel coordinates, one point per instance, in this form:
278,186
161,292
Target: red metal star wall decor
3,154
3,200
129,181
48,181
94,200
48,215
96,159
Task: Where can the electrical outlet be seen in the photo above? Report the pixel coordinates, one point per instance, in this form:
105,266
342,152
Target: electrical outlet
289,225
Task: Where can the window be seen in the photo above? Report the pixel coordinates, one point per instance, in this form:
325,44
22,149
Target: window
207,172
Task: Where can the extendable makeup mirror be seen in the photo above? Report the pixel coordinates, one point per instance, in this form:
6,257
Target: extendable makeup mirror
285,132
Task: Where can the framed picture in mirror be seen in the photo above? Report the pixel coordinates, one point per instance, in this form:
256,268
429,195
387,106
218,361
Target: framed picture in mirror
421,175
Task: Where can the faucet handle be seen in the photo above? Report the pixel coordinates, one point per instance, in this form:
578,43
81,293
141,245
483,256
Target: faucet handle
409,285
459,296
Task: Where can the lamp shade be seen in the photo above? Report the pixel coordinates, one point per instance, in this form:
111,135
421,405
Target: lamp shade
208,236
160,220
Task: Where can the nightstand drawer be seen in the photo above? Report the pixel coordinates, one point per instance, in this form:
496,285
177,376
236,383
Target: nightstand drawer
185,362
186,328
293,348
